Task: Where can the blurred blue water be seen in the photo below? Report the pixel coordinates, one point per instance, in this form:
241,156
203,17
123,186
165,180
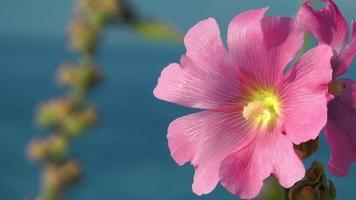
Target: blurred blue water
126,156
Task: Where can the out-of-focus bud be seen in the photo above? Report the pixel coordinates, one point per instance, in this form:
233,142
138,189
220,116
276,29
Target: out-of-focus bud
306,149
158,31
109,11
54,111
55,148
70,172
314,186
87,76
78,121
57,177
58,147
67,74
51,178
38,149
80,77
83,35
50,194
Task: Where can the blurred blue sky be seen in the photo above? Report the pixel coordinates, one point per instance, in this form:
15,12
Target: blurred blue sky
126,156
44,18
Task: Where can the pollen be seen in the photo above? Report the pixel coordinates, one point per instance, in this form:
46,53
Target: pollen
263,109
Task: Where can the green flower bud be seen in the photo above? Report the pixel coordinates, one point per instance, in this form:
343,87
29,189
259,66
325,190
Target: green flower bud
37,150
53,112
70,172
77,122
58,147
83,35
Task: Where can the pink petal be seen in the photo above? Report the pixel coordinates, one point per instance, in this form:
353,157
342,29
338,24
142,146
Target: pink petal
304,96
204,139
244,171
205,79
327,25
264,45
340,131
344,59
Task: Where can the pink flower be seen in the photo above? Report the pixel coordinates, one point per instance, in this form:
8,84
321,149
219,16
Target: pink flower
253,109
329,27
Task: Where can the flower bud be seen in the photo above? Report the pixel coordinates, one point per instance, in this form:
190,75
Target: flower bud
67,74
58,147
315,174
51,178
78,121
70,172
83,35
37,149
54,111
109,11
306,149
79,77
314,186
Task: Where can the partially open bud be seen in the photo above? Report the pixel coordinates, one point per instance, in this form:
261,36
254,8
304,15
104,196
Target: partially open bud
314,186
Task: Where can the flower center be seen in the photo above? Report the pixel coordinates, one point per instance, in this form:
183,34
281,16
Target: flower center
263,109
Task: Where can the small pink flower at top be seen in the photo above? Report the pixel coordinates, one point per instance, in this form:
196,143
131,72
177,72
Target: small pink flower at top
329,27
253,110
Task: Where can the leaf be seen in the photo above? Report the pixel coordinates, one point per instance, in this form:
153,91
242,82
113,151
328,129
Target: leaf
155,30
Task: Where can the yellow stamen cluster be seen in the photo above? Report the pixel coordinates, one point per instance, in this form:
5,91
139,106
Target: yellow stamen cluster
263,109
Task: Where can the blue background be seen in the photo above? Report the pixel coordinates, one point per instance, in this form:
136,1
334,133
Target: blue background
126,156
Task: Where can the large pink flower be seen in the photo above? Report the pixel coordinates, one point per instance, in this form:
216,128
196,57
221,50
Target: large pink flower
253,109
329,27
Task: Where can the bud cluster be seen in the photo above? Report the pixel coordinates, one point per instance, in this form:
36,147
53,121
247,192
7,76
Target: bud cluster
68,116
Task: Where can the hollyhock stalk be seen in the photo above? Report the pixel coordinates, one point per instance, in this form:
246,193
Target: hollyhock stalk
69,116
